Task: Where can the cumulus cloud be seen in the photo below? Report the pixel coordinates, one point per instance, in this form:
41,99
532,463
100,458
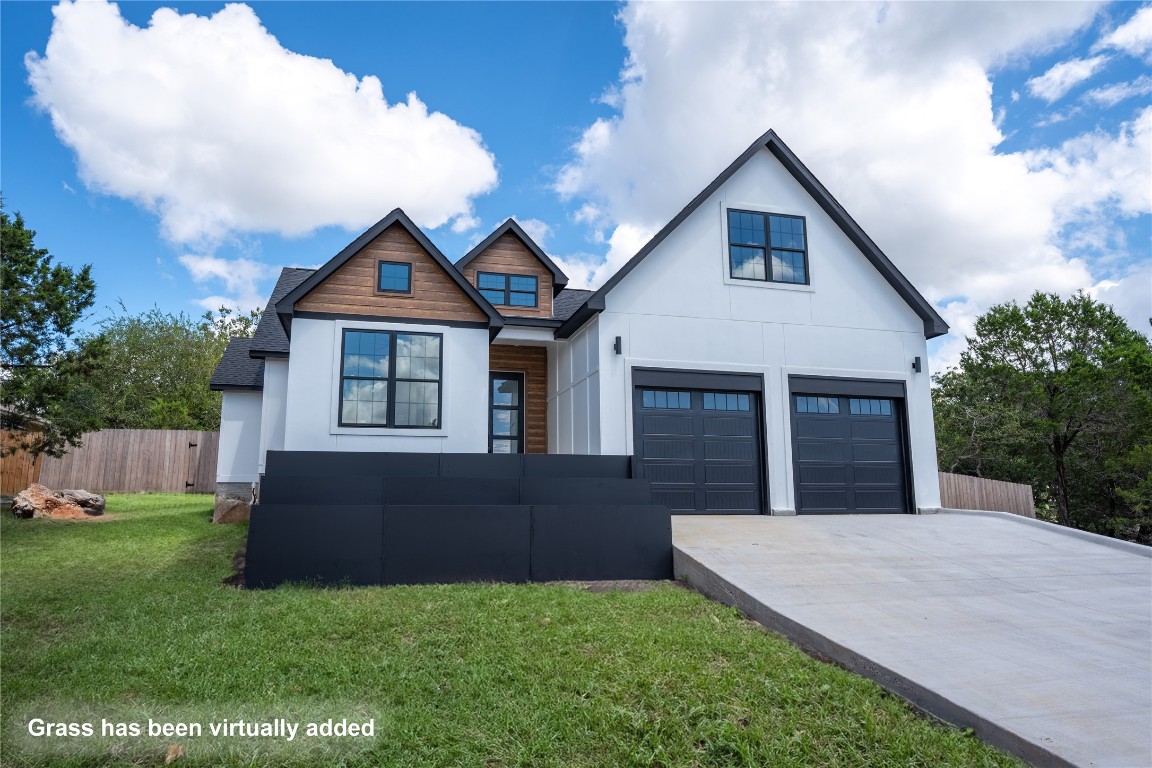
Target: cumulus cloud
240,277
1063,77
890,106
1134,37
590,271
217,128
1111,95
535,229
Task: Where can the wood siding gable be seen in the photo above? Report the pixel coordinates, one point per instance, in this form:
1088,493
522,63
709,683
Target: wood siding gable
508,255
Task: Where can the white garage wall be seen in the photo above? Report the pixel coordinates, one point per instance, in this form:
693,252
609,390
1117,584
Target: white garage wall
573,393
314,386
239,456
274,407
680,309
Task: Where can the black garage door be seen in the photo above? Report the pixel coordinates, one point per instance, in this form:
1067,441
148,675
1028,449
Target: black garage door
848,453
700,449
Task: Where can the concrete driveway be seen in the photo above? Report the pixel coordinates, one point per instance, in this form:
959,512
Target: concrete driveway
1038,638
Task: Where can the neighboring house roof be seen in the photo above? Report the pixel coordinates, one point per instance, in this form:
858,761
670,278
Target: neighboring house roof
934,325
284,307
236,370
568,301
559,279
270,339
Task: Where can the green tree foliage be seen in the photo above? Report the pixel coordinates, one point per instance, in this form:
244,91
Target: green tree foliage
159,365
1057,394
42,366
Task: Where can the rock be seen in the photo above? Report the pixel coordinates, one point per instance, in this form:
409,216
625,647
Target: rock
92,503
40,501
230,509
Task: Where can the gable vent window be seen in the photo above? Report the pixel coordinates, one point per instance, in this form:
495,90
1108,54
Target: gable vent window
390,379
768,247
394,277
507,290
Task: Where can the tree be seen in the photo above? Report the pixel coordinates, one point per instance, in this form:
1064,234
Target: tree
1058,394
40,364
162,364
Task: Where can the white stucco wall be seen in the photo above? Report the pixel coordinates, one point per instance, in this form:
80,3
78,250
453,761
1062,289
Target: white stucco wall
313,390
238,459
574,393
273,408
680,309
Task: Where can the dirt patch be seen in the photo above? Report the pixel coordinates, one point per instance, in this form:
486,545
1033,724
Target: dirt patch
238,562
623,585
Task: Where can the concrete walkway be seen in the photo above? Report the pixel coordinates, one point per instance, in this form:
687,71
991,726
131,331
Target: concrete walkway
1038,638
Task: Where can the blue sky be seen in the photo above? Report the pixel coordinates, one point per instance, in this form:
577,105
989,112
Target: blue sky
991,149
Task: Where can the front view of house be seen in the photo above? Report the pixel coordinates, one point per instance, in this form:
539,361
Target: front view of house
760,355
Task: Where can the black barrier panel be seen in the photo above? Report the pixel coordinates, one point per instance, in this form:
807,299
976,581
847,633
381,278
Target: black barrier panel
584,490
565,465
447,544
452,490
601,542
352,463
325,489
329,544
480,465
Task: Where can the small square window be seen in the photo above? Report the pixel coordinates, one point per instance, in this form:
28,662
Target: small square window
779,257
394,277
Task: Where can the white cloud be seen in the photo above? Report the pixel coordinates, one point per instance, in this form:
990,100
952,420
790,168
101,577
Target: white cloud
240,277
1063,77
890,106
535,229
1130,296
1134,36
1111,95
464,222
215,126
590,271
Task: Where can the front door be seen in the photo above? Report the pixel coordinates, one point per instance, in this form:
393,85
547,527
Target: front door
506,420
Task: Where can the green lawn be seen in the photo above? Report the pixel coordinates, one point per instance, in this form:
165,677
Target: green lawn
126,620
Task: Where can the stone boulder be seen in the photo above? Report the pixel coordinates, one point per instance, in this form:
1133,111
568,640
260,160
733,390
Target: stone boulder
40,501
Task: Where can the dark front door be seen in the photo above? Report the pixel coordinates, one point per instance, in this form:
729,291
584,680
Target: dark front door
506,417
848,454
700,449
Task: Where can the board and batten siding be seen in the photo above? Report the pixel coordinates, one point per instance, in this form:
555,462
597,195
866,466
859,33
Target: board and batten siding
509,256
351,288
533,363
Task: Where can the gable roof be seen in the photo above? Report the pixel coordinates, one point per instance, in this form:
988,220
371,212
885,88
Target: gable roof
559,279
934,325
285,306
236,371
269,340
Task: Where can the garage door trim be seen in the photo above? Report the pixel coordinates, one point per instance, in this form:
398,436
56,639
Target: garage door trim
845,387
697,380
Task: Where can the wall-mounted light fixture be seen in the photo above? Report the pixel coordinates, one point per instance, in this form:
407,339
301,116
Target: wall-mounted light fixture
916,365
618,347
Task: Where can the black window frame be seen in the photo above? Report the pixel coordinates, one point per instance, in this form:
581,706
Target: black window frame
507,289
380,263
767,248
520,409
391,379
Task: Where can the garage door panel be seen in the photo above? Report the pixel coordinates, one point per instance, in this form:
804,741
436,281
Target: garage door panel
877,500
715,426
721,474
667,425
823,475
877,474
875,452
820,428
668,449
700,449
822,452
873,430
823,500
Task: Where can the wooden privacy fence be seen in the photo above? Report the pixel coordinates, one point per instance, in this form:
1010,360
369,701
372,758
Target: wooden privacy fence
19,470
173,460
966,492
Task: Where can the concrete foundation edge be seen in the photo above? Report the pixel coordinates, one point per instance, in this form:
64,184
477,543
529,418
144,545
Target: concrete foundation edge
1107,541
708,583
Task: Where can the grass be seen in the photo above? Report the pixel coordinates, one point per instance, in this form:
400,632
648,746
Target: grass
127,620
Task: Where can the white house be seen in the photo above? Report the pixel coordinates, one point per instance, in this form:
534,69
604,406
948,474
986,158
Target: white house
759,355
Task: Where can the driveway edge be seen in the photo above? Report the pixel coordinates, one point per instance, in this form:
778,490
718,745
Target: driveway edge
711,585
1107,541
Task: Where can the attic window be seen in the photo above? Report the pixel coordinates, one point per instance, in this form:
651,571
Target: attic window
507,290
394,277
768,247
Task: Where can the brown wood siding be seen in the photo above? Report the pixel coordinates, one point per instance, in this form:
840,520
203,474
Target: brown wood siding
509,256
351,289
533,363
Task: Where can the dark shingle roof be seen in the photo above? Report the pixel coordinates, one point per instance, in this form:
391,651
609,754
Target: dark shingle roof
568,301
270,339
236,370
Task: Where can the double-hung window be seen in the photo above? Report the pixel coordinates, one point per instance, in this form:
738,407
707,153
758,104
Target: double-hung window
767,246
508,290
390,379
